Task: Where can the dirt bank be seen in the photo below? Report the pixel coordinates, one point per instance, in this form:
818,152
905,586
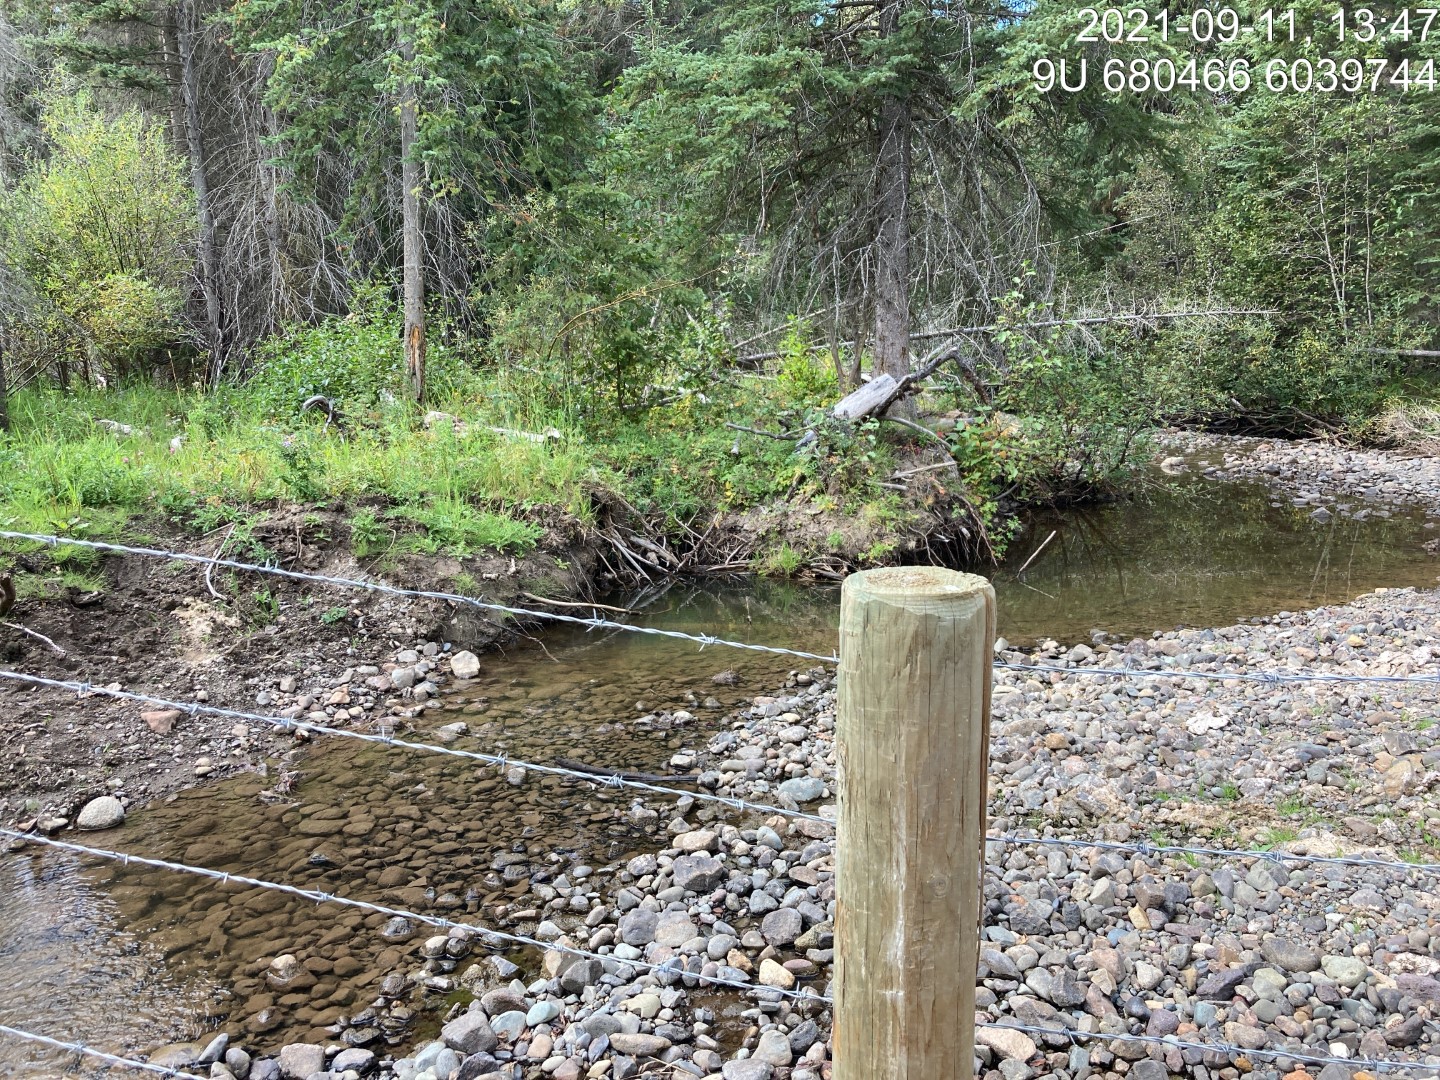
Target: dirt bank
224,639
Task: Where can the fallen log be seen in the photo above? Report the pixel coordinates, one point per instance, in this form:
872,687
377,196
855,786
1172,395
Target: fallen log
874,396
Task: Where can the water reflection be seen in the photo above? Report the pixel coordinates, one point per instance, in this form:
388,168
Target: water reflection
71,972
1198,553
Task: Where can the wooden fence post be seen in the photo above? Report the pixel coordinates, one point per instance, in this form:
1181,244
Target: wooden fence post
912,737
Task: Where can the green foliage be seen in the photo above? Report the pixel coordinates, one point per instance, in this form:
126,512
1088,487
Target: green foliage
101,229
457,528
585,291
499,113
803,378
368,536
356,360
783,561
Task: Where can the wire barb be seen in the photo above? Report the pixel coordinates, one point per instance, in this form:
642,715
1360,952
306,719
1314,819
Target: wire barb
417,594
501,760
100,1055
381,909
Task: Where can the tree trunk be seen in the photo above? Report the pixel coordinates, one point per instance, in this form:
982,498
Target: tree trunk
4,395
170,50
410,212
188,18
892,240
279,307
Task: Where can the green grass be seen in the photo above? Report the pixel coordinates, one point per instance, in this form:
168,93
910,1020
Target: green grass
211,460
67,476
1277,835
58,582
784,561
1296,808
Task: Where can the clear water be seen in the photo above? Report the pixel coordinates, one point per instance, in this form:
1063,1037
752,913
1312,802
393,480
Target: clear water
129,959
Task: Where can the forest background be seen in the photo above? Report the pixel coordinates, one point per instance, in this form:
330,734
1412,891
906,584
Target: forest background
597,260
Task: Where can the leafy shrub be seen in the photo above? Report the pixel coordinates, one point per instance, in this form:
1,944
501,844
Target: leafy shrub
804,380
102,231
356,360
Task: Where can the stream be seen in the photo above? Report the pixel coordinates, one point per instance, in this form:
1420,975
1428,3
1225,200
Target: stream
128,959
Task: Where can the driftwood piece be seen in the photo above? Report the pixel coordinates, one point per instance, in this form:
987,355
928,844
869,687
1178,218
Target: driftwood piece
871,398
37,636
322,404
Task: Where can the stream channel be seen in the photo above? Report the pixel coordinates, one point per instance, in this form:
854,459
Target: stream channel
128,959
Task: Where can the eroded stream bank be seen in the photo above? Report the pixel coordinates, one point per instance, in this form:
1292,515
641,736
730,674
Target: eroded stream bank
470,842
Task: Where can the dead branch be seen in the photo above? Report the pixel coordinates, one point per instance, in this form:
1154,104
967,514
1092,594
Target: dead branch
210,568
570,604
37,636
1092,320
781,436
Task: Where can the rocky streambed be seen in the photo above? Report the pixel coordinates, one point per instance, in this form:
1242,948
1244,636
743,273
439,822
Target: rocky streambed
1335,480
1263,954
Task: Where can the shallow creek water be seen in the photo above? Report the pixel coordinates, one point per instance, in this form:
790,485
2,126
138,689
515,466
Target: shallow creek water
127,959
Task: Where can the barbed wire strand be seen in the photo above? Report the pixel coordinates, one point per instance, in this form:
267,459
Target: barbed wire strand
1169,1042
416,594
322,897
88,1051
1099,671
1165,1042
1274,855
501,760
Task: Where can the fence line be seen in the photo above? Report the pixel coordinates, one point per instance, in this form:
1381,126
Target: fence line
1265,855
501,760
414,594
702,640
322,897
925,610
81,1048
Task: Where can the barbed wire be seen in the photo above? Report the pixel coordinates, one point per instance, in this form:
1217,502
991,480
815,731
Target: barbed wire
322,897
503,761
594,623
89,1051
1232,1050
1270,677
1274,855
733,803
1098,671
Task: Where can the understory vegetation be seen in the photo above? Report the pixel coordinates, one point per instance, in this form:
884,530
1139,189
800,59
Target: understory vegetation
464,274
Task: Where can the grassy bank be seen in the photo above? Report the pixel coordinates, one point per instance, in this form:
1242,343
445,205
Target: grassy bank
106,463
